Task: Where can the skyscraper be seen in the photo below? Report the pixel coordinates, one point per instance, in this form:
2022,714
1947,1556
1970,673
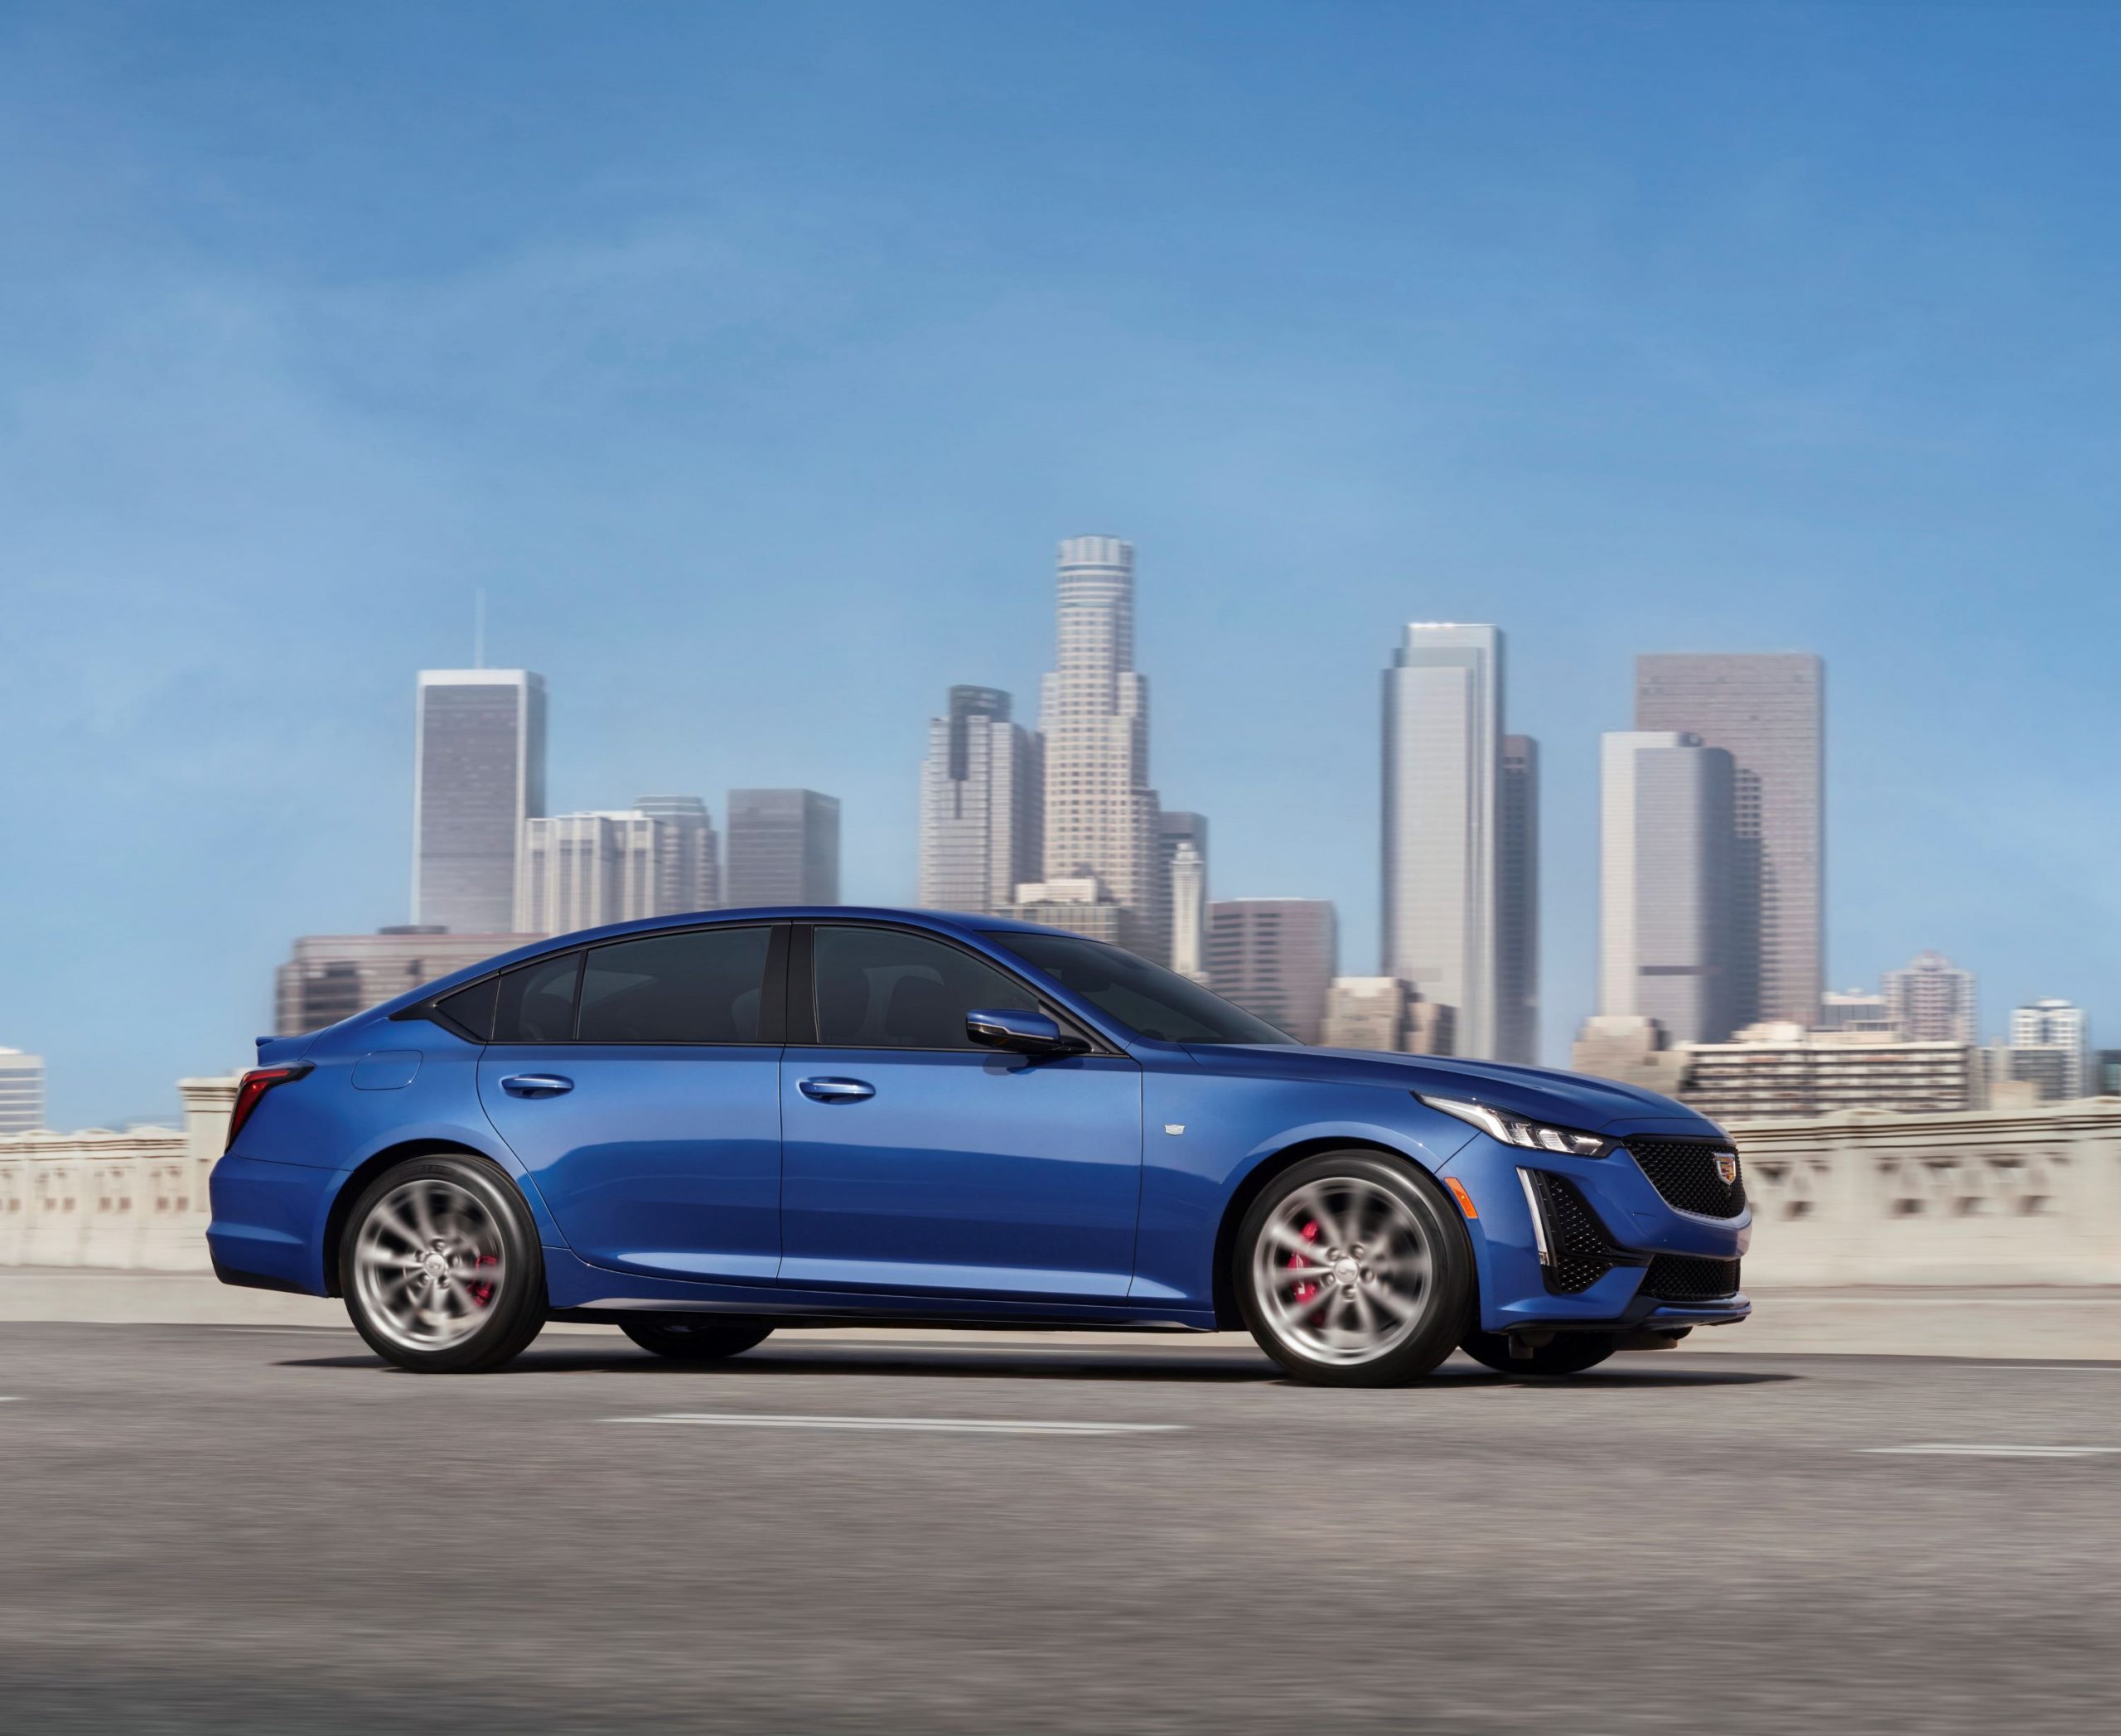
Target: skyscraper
1274,957
982,796
1517,903
1666,937
1182,844
1932,1000
695,881
22,1092
1769,712
584,870
783,848
1093,712
478,773
1442,751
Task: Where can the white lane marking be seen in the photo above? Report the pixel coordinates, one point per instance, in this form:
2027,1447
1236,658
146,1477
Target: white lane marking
901,1424
2052,1368
10,1401
1972,1449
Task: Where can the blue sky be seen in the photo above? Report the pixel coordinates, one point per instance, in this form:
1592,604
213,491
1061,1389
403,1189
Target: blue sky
753,358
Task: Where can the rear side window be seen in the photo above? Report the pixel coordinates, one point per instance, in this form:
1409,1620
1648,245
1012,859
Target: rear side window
702,987
536,1002
472,1008
883,989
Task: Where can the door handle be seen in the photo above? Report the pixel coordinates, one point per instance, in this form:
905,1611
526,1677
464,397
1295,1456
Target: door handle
536,1085
835,1091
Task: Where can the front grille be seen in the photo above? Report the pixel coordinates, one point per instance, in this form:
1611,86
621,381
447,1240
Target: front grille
1684,1172
1575,1238
1687,1278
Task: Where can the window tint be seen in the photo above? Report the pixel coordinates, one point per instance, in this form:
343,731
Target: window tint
1143,997
537,1001
880,988
702,987
472,1007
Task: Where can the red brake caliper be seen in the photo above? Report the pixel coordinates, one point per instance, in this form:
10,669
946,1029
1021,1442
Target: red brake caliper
483,1293
1305,1290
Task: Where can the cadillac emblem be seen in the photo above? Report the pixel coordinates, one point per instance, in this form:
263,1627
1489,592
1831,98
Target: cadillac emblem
1726,1166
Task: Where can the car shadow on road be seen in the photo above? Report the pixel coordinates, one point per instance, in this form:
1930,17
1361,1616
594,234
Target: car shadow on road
1018,1362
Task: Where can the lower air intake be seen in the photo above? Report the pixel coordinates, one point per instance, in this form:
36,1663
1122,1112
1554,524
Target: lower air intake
1575,1238
1684,1278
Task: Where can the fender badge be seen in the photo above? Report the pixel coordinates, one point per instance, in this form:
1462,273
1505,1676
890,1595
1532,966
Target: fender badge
1174,1127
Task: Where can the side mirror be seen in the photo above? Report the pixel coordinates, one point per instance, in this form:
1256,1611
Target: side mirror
1021,1033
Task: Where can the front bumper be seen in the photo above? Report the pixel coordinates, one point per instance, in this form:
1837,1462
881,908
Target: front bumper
1521,1292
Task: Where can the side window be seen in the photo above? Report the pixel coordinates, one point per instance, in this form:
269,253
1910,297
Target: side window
701,987
882,988
472,1007
537,1001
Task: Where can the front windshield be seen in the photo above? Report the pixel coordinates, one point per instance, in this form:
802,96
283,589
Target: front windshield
1147,999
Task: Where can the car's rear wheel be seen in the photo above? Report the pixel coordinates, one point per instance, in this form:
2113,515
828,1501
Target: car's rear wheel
1565,1353
441,1268
704,1338
1353,1269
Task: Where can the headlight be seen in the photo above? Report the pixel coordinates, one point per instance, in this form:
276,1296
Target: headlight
1515,1131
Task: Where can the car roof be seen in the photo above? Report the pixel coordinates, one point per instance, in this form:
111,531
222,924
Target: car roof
959,923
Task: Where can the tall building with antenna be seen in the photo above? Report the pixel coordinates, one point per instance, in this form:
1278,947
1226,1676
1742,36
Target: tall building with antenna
478,773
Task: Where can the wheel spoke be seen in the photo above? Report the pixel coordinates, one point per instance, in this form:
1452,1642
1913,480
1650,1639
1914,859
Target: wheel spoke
423,1215
1291,1241
387,1218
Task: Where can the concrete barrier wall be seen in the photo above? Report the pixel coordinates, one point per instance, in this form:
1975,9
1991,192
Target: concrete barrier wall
1999,1197
130,1201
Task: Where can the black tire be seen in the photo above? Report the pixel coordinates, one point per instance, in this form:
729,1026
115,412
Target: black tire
1565,1353
500,1323
1441,1309
700,1338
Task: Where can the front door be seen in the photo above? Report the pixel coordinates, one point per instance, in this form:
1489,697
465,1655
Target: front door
633,1081
914,1160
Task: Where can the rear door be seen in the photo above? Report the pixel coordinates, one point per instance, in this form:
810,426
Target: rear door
916,1161
639,1083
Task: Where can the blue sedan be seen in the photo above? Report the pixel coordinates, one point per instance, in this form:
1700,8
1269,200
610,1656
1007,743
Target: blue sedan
705,1128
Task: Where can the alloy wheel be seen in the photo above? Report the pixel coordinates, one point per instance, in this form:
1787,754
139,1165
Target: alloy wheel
1343,1271
430,1264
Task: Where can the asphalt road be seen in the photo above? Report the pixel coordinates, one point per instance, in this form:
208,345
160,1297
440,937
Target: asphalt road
242,1529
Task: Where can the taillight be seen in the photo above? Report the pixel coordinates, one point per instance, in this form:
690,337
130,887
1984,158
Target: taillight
250,1091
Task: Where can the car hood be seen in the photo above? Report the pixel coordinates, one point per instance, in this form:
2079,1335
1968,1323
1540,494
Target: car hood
1546,1093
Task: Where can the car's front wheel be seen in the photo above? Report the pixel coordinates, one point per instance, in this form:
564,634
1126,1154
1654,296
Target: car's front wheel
703,1338
1353,1269
440,1266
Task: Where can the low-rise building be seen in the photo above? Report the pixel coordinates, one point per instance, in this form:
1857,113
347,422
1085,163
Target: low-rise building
1081,906
332,977
22,1092
1774,1069
1384,1013
1274,958
1631,1048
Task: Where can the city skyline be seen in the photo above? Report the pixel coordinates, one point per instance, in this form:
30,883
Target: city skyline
751,397
1666,799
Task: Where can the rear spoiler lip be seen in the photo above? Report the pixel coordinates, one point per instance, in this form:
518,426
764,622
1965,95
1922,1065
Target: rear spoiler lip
279,1052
